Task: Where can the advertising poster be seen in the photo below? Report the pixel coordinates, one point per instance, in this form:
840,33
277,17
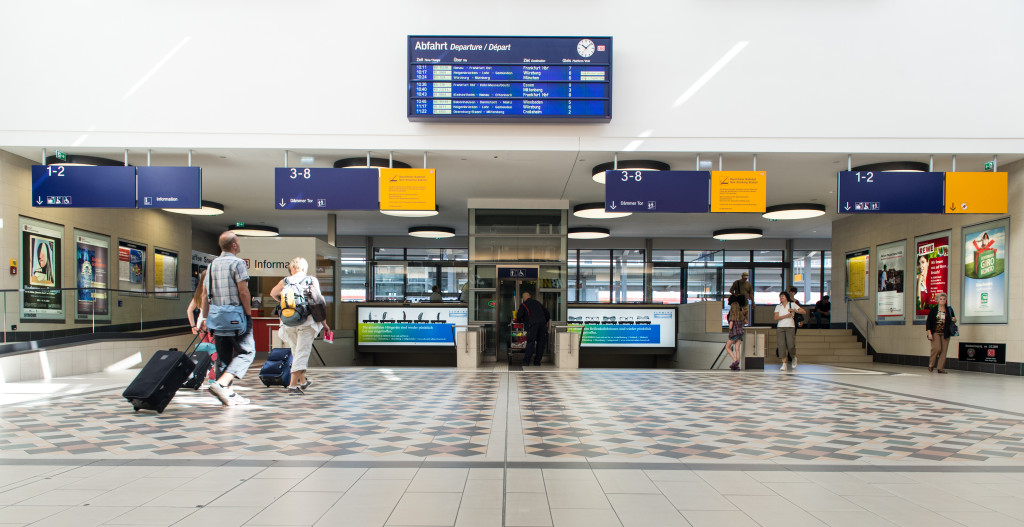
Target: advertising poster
92,270
41,298
625,328
200,261
985,271
857,274
890,268
400,325
931,272
131,275
165,273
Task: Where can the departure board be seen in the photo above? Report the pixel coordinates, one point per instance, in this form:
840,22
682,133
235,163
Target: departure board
509,79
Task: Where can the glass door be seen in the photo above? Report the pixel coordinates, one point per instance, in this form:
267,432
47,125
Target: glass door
510,291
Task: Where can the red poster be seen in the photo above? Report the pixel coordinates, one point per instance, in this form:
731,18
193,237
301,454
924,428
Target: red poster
931,272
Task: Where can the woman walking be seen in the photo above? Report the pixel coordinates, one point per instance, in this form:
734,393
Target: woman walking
785,332
737,317
300,338
939,325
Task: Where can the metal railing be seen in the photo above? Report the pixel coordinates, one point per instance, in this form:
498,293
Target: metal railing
865,329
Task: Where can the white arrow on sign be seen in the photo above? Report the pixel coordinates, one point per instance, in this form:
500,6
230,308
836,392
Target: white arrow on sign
612,206
39,200
847,205
282,202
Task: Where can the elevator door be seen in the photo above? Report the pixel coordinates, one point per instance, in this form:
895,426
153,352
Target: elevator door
510,295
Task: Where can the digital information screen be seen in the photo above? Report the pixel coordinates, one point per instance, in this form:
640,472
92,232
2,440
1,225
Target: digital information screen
625,327
401,325
526,79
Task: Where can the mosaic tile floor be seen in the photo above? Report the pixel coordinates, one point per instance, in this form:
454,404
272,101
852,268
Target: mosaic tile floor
594,415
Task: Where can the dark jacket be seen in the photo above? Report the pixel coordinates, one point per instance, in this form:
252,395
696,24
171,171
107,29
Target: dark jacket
532,312
933,319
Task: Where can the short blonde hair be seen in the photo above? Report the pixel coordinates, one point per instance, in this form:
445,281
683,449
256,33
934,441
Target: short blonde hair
942,295
298,264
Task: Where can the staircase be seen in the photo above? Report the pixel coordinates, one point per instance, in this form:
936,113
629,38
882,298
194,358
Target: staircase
822,346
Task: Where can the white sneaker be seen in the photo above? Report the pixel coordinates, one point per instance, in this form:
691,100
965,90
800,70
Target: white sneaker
222,393
783,368
237,400
793,364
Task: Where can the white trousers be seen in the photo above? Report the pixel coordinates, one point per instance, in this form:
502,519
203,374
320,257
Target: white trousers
300,340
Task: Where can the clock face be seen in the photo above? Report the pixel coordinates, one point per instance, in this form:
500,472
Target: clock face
586,48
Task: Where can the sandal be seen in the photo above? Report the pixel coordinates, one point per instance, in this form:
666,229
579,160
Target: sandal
942,371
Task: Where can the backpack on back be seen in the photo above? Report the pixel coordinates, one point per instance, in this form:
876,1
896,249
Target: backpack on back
294,305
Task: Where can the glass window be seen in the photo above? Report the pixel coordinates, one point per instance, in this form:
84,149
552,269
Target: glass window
661,255
627,275
701,284
422,254
571,281
807,276
389,282
420,279
353,274
767,285
667,283
594,275
388,253
826,270
737,256
459,255
768,256
705,258
451,280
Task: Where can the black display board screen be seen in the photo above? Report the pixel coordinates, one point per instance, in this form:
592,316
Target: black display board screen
509,79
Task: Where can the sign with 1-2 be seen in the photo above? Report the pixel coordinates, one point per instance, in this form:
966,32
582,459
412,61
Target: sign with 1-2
890,192
657,191
83,186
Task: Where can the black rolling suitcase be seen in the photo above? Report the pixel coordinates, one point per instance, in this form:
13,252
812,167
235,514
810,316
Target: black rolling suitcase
278,368
159,380
203,361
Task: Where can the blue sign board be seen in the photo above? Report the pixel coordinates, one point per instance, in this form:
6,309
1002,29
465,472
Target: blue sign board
657,191
891,192
518,272
326,189
554,79
83,186
170,187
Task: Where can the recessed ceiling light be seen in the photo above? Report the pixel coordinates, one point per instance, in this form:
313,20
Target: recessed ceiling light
598,172
737,234
210,208
588,233
794,211
431,231
596,211
242,229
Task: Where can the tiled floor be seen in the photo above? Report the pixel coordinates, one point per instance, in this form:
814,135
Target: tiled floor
886,445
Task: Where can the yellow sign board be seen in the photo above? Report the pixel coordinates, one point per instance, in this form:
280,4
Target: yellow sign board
738,191
407,189
975,193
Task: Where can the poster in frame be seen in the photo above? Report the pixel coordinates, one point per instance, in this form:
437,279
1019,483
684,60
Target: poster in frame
92,274
986,269
890,270
41,270
858,274
931,271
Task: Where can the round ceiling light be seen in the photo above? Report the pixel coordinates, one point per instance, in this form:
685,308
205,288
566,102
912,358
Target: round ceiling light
737,234
596,211
210,208
85,161
634,164
410,213
375,162
588,233
431,231
893,166
242,229
794,211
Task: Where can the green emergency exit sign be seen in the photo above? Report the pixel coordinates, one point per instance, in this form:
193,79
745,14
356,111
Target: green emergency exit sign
990,166
62,156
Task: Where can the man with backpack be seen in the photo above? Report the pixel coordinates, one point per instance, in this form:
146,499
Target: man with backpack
226,303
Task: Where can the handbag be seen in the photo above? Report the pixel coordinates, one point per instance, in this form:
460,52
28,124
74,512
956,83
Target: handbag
953,330
318,312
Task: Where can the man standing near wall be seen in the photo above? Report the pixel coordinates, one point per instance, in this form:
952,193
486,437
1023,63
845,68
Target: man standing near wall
745,288
228,285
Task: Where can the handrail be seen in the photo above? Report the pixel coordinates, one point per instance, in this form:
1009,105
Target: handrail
34,289
867,320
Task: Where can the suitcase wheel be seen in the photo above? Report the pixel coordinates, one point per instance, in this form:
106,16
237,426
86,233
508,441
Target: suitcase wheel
136,408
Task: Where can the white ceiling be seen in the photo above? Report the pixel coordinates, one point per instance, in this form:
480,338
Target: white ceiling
242,179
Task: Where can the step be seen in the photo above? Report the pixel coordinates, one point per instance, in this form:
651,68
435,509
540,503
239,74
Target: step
826,359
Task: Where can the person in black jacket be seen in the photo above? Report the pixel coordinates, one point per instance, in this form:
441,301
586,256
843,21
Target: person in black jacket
535,316
940,320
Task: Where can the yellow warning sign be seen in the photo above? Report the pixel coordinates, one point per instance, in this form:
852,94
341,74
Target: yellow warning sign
407,189
738,191
975,193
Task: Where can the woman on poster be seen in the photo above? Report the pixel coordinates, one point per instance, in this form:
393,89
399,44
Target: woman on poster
42,274
939,329
922,281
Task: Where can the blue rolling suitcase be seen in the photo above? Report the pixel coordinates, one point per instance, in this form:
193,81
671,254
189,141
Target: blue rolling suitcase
278,368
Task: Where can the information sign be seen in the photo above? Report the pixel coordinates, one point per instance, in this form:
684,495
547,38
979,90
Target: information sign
976,192
407,189
83,186
656,191
326,189
170,187
738,191
890,192
554,79
994,353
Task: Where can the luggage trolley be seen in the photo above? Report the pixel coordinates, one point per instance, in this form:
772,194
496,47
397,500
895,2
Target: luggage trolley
517,341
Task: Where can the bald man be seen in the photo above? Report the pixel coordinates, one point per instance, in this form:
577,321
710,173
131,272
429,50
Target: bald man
227,283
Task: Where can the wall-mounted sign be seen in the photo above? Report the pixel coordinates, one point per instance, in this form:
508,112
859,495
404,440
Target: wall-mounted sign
858,274
931,272
170,187
92,269
165,273
326,189
983,352
42,271
518,272
890,268
656,191
131,272
407,189
976,192
986,270
738,191
863,192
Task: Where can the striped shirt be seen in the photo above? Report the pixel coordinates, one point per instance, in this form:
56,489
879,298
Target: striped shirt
222,278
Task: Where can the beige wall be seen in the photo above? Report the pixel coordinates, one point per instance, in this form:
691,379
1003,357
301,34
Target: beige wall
859,232
154,228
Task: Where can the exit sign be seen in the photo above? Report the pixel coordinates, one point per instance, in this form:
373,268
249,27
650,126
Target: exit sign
64,157
990,166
